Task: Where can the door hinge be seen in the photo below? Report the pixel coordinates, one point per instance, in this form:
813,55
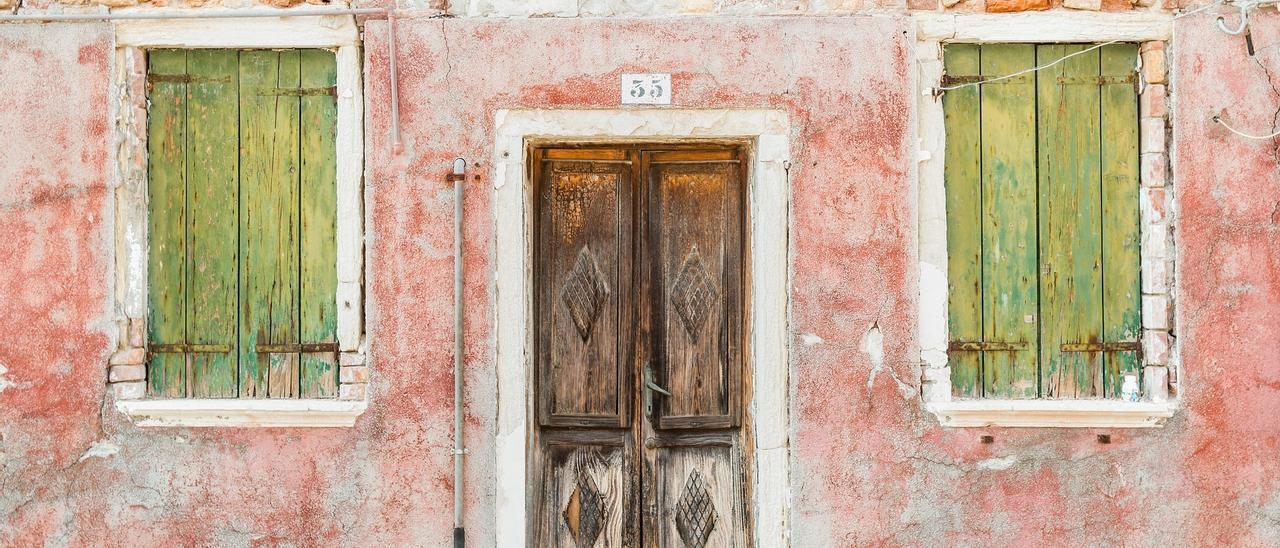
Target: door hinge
985,346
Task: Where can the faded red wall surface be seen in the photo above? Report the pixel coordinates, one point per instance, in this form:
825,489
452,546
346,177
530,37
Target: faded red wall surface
868,466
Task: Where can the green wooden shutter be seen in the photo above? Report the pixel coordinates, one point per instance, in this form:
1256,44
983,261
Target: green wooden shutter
1042,219
166,223
242,224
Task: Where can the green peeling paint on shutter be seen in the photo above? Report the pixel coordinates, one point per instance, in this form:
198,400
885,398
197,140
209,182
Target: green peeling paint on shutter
242,264
1042,220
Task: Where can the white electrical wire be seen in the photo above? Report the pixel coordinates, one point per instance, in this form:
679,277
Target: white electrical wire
1065,57
1219,120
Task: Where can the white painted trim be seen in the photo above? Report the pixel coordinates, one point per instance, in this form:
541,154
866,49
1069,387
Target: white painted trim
769,200
198,413
1047,26
337,33
1052,413
327,31
932,31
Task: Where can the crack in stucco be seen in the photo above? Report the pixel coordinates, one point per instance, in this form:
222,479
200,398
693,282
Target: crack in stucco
1275,116
873,347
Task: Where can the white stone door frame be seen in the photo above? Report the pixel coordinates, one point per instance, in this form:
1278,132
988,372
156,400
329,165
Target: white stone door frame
769,200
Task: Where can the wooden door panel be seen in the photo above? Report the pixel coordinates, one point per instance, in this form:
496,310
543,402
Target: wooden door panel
584,277
695,236
699,492
586,492
638,266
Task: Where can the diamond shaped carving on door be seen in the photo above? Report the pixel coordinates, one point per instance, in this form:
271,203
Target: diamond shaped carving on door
584,513
584,292
693,293
695,516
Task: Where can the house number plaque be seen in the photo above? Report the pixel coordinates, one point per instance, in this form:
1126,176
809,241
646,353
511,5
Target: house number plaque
646,89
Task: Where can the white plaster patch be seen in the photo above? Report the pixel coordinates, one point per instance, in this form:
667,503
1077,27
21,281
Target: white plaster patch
933,325
810,339
6,382
1001,463
99,449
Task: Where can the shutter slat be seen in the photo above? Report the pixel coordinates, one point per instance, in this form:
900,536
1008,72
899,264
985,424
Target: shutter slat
963,176
1121,319
166,195
1009,230
1070,212
212,200
269,223
318,195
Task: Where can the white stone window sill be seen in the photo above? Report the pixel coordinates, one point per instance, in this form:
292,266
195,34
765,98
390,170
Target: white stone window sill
1052,413
243,413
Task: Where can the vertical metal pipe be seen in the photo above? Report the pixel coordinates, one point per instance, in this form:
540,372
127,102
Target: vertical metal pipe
396,145
458,177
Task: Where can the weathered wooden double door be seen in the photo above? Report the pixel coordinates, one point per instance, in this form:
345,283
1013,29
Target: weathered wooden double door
640,307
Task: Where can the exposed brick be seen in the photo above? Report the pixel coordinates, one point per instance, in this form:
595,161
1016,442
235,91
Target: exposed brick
351,391
1155,347
1090,5
949,3
1155,274
1155,169
1152,134
130,356
353,374
7,4
1155,205
137,332
350,358
1155,311
123,373
1008,6
129,390
1155,380
1152,104
926,5
1153,64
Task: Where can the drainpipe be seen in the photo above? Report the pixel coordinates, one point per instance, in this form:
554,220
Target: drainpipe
458,177
396,145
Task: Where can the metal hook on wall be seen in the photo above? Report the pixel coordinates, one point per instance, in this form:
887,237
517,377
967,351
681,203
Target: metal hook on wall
1244,20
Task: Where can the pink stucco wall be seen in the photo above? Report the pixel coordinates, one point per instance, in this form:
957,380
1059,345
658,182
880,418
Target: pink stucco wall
868,466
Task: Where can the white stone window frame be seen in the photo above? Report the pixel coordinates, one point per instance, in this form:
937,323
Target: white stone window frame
769,204
1161,384
127,366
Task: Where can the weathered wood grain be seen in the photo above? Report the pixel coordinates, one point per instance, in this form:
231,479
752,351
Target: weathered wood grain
963,180
1070,218
1121,299
212,203
269,223
1009,227
318,195
166,222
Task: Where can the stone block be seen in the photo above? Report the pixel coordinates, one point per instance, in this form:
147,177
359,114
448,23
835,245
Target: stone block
129,356
1153,62
1154,205
1090,5
922,5
1155,169
1155,381
356,374
350,358
1155,312
1155,347
1152,104
1010,6
1152,135
351,391
129,390
137,332
125,373
935,383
